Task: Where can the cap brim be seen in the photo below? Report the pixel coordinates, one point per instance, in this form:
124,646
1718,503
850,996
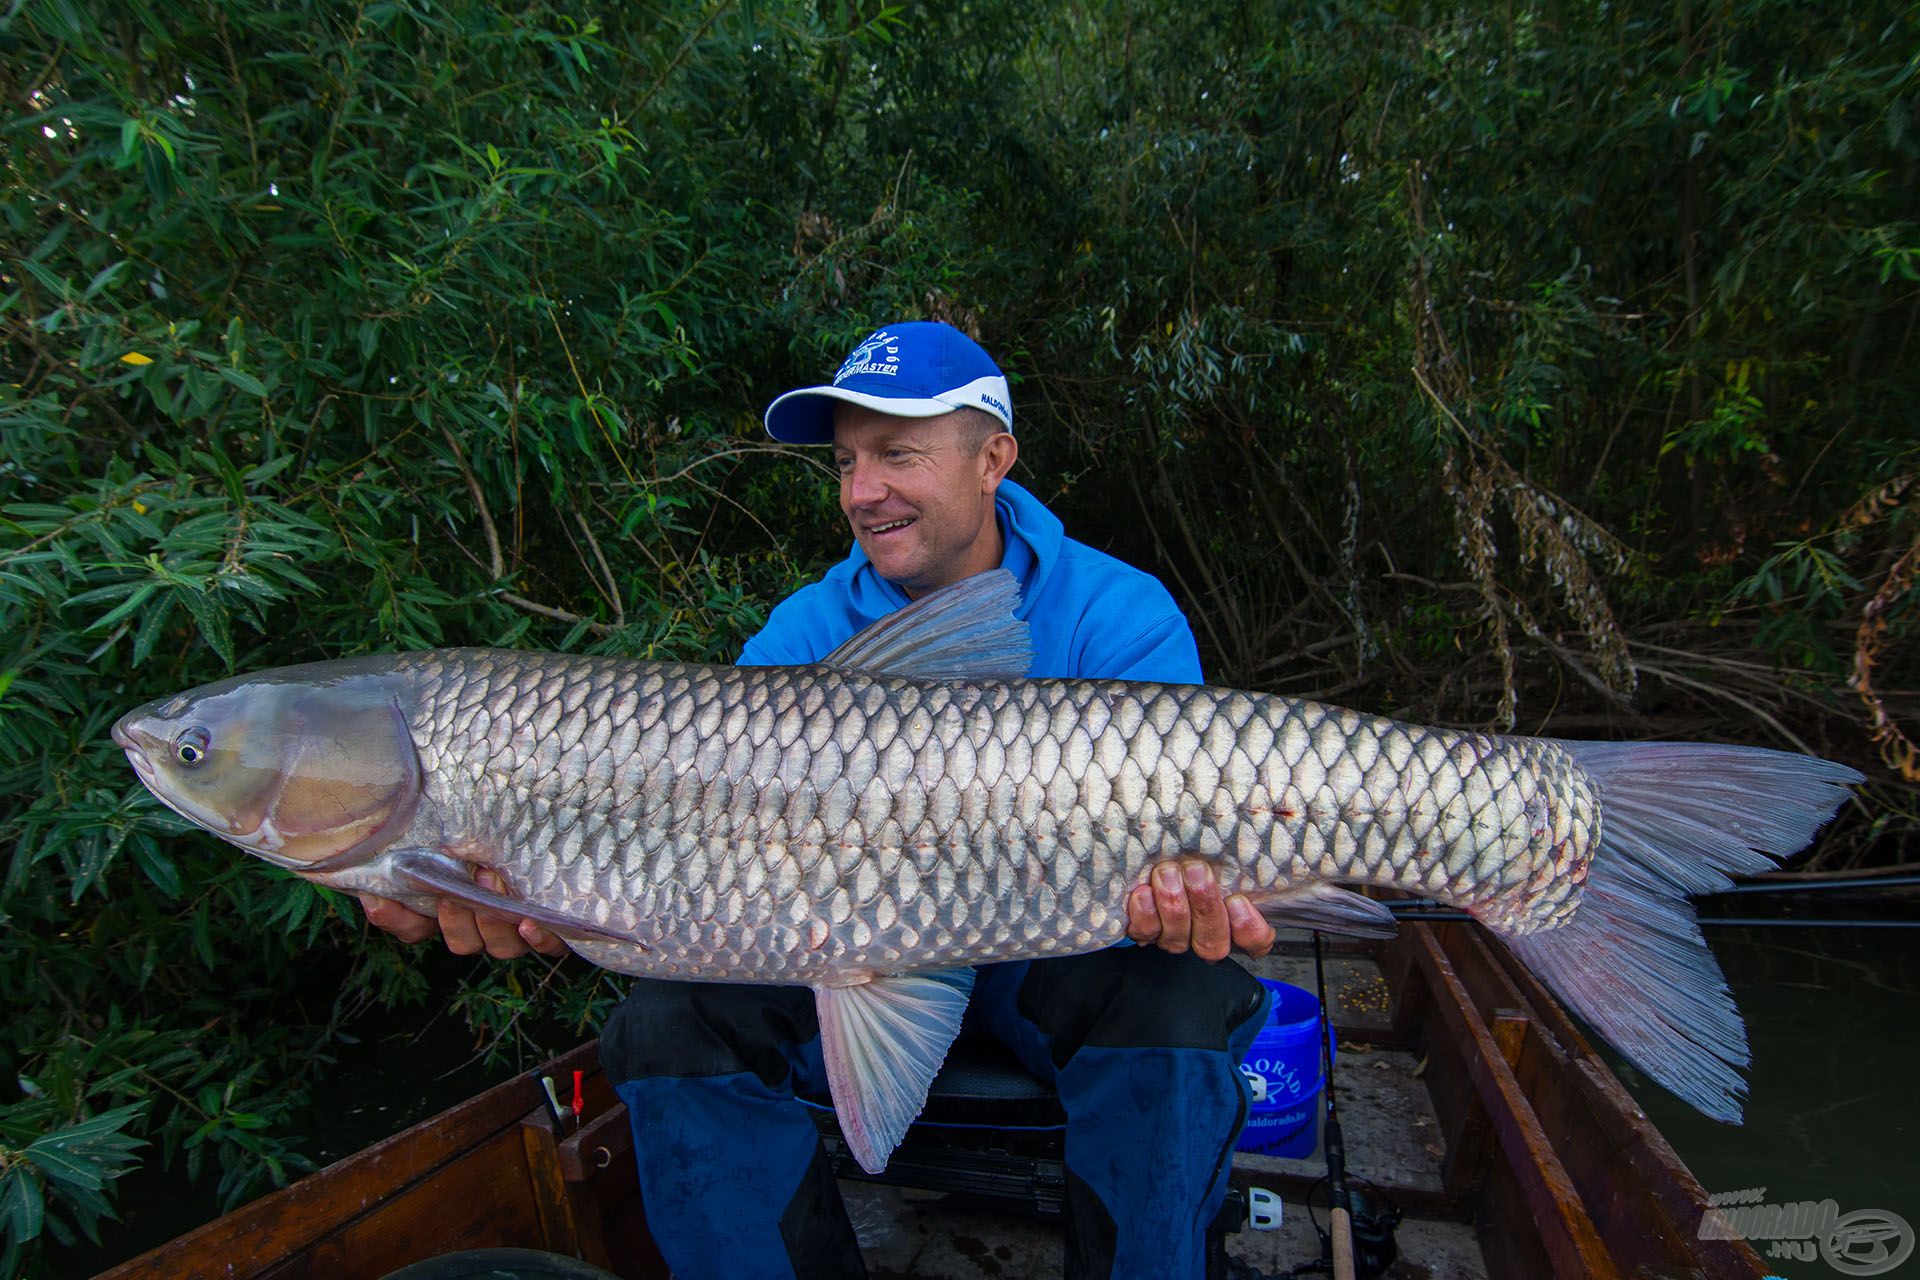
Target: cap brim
806,416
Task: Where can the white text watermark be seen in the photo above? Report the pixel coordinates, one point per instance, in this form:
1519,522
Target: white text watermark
1864,1242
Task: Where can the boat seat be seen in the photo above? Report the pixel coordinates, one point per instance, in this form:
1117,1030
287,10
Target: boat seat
992,1133
984,1083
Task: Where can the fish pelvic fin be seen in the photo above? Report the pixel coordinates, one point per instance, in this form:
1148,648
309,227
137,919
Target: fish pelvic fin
1675,819
884,1041
1329,909
960,632
435,874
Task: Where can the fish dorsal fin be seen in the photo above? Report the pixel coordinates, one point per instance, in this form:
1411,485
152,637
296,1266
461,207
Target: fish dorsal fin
883,1042
1330,909
960,632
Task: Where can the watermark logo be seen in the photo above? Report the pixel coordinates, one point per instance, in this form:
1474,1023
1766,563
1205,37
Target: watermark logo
1865,1242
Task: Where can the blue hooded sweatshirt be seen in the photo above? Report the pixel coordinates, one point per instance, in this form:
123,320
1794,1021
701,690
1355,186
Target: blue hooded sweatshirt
1090,616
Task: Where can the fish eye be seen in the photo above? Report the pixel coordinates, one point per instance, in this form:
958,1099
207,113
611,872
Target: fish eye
190,748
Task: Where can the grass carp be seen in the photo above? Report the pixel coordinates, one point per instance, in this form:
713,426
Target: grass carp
871,826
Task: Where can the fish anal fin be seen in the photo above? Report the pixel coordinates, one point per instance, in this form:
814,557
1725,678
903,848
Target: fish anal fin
884,1041
431,872
1330,909
964,631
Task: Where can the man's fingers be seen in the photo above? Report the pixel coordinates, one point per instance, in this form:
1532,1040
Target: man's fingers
1180,908
1251,932
388,915
1143,922
1212,937
1170,901
547,944
467,932
460,929
500,935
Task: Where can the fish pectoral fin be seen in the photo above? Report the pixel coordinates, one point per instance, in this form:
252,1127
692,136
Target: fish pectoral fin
884,1041
1330,909
432,872
964,631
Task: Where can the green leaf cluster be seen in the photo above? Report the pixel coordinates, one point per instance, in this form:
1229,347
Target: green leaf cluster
56,1182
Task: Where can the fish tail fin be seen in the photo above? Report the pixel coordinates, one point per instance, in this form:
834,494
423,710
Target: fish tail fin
1675,819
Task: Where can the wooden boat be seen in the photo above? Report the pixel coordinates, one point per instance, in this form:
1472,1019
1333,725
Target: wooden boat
1468,1097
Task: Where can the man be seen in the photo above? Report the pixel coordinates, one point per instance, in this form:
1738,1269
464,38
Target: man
1142,1043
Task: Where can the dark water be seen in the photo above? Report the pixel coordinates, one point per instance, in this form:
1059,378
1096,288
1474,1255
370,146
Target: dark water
1833,1017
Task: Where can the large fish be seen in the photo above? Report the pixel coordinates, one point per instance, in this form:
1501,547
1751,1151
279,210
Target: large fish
872,825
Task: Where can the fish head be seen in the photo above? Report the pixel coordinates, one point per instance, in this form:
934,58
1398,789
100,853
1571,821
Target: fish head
309,770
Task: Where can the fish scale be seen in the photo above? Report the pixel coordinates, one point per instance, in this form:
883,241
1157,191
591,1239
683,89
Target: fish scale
1045,801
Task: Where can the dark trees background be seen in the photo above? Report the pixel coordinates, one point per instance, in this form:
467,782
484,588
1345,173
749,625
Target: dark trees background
1545,367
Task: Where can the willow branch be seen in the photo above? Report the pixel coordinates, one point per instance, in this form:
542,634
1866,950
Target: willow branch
1714,690
499,565
548,611
613,587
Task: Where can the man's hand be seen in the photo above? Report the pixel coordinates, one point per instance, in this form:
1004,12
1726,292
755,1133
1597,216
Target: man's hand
467,932
1179,909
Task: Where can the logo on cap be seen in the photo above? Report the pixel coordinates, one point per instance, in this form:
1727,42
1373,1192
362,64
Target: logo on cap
863,358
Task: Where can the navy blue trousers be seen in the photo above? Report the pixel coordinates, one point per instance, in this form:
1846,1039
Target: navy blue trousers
1142,1046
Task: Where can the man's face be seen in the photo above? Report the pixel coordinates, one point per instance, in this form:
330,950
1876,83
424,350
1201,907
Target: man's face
919,496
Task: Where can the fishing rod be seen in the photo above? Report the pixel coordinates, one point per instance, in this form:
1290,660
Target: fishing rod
1339,1206
1447,915
1818,886
1435,912
1358,1243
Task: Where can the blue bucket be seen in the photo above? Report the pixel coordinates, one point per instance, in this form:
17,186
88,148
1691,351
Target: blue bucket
1286,1057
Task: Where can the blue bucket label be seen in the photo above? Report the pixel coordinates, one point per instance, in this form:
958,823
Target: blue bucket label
1288,1120
1286,1078
1285,1058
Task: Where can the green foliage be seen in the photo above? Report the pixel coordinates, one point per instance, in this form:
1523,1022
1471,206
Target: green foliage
1431,353
330,331
1641,263
55,1182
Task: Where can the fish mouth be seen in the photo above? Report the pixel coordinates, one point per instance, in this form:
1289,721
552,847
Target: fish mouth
136,752
141,765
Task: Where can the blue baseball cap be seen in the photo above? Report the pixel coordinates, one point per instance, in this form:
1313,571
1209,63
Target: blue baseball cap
920,369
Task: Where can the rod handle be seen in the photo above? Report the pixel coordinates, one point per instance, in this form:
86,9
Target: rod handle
1342,1245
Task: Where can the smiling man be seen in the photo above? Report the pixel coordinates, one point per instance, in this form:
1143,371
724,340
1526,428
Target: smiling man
1142,1043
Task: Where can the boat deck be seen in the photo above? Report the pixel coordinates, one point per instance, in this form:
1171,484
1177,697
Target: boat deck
1393,1138
906,1235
